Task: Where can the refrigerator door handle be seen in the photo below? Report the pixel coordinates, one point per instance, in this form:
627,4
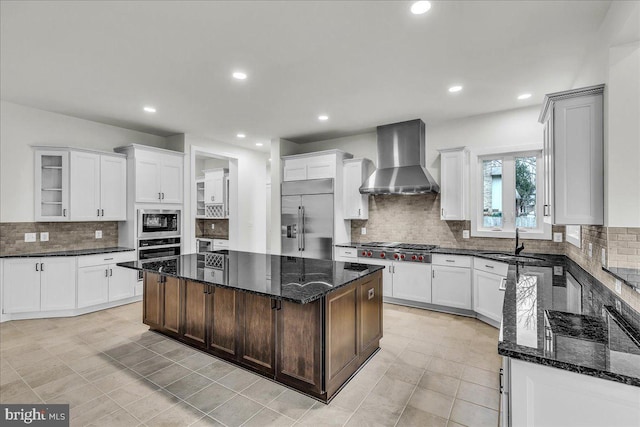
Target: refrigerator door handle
302,231
298,227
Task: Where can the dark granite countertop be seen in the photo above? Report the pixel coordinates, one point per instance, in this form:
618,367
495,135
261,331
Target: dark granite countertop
299,280
557,314
630,276
76,252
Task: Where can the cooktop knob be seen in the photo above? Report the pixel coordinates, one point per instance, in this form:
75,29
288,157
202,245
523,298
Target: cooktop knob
382,255
402,256
395,256
413,257
364,253
420,258
369,254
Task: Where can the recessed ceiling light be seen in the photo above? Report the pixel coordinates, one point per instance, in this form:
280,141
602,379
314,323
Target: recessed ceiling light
420,7
258,144
241,135
239,75
149,109
323,117
524,96
453,89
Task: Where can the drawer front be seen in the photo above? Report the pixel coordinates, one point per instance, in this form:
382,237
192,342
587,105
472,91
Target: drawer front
112,258
220,244
451,260
495,267
348,253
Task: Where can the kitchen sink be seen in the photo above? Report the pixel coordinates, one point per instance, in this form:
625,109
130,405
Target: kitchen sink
511,257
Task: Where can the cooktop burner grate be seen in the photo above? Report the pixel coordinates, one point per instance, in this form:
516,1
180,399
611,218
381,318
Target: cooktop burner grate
399,245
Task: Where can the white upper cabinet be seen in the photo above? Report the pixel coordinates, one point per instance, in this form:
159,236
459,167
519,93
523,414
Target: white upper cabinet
573,157
51,185
454,184
216,193
318,165
80,185
158,174
113,188
85,186
356,171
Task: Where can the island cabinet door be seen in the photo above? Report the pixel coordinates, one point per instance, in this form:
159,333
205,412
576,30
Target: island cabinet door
222,323
256,331
195,296
153,301
370,295
171,309
299,346
342,348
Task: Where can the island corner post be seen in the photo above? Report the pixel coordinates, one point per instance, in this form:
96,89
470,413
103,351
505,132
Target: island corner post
314,347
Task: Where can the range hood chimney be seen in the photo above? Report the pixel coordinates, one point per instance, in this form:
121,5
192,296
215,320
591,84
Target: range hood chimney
401,161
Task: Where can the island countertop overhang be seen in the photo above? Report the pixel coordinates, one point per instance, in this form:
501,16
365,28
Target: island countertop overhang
298,280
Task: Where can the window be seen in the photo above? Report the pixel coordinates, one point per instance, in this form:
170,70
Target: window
508,196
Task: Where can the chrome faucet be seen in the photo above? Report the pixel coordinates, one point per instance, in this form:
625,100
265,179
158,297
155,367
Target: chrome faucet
521,247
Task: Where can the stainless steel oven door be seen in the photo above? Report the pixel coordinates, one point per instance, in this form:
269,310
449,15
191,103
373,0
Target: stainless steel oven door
158,252
158,223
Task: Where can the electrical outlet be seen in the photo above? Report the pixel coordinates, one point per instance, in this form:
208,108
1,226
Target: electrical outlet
465,234
98,234
604,257
590,250
44,236
618,306
618,286
29,237
213,226
363,230
557,237
557,270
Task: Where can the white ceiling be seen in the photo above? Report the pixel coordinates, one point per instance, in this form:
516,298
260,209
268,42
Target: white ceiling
362,63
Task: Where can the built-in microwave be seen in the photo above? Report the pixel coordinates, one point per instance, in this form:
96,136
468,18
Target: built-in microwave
158,223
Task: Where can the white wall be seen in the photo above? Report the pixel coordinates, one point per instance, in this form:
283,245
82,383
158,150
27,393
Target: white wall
360,145
614,59
247,225
21,127
279,148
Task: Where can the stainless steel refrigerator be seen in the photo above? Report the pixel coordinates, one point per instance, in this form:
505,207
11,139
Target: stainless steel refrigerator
307,218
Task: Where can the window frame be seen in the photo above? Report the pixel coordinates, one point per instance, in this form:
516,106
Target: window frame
507,231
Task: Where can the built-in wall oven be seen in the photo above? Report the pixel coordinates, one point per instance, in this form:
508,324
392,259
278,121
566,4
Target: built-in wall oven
151,249
153,223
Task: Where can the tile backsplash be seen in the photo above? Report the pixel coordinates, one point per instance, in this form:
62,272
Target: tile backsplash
62,236
220,231
416,219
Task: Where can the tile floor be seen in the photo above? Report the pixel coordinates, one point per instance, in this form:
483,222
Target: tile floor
433,370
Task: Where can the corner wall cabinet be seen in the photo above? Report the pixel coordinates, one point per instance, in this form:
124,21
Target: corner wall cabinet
79,185
157,173
356,171
573,157
454,184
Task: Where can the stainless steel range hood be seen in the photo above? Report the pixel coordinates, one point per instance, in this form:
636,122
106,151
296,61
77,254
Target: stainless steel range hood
401,161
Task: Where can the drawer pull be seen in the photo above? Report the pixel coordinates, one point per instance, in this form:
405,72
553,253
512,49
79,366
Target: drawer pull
451,260
108,259
488,266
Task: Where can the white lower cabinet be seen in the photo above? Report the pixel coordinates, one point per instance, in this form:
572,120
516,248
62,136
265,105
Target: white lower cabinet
93,285
488,294
122,282
411,281
39,284
451,286
539,395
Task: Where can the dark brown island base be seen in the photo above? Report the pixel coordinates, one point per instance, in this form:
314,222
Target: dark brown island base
305,323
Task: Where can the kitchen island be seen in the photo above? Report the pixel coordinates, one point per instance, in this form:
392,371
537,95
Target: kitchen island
306,323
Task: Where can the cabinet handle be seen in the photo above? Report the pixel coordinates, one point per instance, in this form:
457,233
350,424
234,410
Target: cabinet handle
501,383
41,266
273,304
162,196
451,260
106,272
359,212
159,196
213,198
108,259
110,272
503,284
98,212
102,212
64,212
442,212
488,266
433,274
37,267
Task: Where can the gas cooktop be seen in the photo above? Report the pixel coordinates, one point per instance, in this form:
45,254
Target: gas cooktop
399,245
